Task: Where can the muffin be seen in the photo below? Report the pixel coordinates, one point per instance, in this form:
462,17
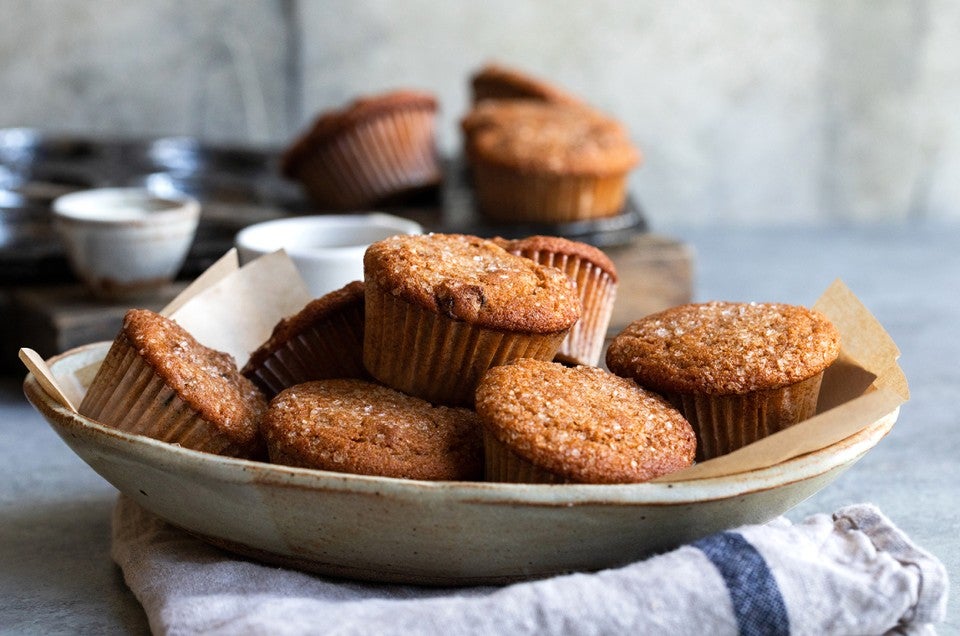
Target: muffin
322,340
377,150
494,81
545,422
158,381
737,371
541,162
593,275
441,309
355,426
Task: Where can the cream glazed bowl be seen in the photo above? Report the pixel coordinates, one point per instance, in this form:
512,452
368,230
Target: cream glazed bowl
125,241
438,533
327,249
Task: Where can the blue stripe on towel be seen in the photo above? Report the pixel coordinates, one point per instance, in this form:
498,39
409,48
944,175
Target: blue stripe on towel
757,602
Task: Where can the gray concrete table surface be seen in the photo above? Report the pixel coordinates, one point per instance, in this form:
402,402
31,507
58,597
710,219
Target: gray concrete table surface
56,575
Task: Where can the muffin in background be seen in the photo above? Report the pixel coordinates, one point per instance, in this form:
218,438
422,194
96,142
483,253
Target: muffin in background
158,381
495,81
544,162
376,150
737,371
322,340
593,275
547,423
441,309
355,426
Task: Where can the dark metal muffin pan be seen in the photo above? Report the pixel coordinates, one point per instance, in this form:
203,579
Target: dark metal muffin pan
237,185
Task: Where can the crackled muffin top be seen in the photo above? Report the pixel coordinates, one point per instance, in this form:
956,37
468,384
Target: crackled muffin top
495,81
332,122
472,279
583,423
360,427
548,137
205,378
725,348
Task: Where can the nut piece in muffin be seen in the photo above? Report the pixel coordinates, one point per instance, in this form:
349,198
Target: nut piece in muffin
593,275
545,422
495,81
379,149
355,426
738,371
544,162
158,381
322,340
441,309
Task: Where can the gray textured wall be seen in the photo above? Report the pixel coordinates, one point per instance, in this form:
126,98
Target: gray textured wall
747,111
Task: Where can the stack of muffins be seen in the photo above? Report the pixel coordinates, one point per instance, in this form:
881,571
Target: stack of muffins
537,153
448,363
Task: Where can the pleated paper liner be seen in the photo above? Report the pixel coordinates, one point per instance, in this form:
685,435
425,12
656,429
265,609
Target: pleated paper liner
503,465
374,160
434,357
130,395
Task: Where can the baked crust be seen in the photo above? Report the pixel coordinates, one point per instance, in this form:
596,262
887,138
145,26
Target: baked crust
535,136
495,81
474,280
725,348
355,426
583,423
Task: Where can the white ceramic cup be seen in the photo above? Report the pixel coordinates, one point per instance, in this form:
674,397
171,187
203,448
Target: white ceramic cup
327,249
125,242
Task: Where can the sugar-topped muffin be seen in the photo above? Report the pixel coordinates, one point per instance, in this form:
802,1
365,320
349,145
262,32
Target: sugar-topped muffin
593,275
158,381
322,340
377,149
441,309
545,422
738,371
546,162
355,426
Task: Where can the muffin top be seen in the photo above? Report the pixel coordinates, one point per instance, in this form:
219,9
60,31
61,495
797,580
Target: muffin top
583,423
359,427
205,378
531,245
494,81
725,348
317,310
332,122
547,137
473,279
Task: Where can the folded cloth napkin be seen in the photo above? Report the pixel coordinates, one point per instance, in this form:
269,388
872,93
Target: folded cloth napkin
852,573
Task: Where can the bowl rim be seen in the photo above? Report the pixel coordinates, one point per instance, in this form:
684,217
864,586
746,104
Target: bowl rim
246,239
184,208
227,469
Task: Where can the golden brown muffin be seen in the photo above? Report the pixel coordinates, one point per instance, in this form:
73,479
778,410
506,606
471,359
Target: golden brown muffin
738,371
355,426
377,149
546,162
441,309
545,422
494,81
593,275
158,381
322,340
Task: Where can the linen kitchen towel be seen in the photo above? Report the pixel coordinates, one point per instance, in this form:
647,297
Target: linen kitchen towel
850,573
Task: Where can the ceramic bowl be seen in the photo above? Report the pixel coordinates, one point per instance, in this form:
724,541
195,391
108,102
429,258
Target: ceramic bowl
443,533
125,241
327,249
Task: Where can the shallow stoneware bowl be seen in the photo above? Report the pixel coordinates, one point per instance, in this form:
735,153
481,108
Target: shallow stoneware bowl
452,533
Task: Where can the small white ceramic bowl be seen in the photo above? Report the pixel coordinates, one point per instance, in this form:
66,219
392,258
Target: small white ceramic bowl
327,249
125,241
